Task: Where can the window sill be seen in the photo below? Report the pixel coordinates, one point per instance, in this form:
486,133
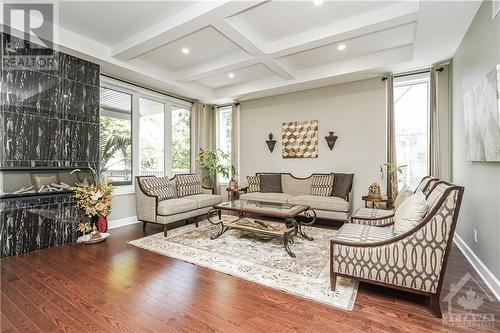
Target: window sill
123,190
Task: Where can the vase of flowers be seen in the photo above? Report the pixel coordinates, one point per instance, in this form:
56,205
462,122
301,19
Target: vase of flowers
95,201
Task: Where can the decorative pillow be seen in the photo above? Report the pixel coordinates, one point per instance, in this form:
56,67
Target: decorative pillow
410,213
322,185
270,183
160,187
253,183
342,184
404,194
42,179
188,185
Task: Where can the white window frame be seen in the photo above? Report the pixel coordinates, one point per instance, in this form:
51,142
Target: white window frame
169,103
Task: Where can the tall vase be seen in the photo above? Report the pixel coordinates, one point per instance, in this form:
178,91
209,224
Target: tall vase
102,223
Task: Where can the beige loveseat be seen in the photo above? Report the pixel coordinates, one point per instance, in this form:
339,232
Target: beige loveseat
297,191
150,209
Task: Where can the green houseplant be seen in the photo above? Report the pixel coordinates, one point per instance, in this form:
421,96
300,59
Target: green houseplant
392,170
215,162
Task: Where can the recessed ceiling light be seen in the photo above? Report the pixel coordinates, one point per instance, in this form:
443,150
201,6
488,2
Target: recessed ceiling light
341,47
317,2
230,75
185,50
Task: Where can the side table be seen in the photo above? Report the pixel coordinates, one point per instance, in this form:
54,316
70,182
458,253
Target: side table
234,194
374,201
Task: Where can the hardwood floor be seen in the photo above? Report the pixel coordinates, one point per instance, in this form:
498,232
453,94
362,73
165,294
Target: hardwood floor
115,287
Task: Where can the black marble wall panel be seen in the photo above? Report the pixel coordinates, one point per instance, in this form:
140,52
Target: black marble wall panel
33,223
50,118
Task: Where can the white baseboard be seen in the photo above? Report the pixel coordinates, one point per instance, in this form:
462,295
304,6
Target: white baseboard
122,222
489,279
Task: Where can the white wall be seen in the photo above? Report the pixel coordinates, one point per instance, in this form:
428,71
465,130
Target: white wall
355,111
477,55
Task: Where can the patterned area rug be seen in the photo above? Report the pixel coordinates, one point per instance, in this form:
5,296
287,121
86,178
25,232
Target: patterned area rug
260,259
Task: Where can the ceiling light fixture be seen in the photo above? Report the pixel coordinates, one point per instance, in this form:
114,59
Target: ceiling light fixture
185,50
230,75
341,47
318,2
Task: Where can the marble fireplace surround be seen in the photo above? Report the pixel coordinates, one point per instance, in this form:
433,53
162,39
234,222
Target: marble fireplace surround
49,122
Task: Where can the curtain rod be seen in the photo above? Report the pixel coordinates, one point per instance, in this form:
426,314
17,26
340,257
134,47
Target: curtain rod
440,69
185,99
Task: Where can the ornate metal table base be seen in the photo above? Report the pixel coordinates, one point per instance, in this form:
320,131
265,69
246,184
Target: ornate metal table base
295,227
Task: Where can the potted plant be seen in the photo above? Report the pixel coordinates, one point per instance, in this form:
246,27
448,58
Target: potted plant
214,162
392,170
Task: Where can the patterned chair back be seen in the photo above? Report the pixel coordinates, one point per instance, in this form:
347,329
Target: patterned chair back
435,193
426,184
435,233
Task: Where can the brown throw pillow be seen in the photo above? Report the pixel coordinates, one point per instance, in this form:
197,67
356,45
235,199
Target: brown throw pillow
270,183
342,184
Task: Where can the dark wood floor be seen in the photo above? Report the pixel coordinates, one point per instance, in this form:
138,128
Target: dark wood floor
115,287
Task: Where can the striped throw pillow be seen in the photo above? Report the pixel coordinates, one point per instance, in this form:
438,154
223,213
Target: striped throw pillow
322,185
188,185
160,187
253,183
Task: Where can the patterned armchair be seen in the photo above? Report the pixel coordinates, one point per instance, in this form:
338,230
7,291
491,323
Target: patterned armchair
383,217
413,261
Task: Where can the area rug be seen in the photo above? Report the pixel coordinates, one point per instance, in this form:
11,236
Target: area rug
260,259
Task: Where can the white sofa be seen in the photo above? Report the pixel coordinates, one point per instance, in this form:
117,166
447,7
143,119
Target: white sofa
297,191
151,210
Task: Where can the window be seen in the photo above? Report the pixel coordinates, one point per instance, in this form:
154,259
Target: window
411,110
224,123
116,136
181,140
151,137
142,133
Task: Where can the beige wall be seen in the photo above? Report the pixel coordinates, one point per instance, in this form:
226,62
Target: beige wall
355,111
477,55
122,206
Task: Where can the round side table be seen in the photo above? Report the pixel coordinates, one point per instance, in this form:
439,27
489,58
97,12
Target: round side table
234,194
374,201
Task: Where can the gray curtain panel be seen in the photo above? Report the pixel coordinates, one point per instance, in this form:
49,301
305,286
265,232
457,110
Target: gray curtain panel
434,163
392,180
235,136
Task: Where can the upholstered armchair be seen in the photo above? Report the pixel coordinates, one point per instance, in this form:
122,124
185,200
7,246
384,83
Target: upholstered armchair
384,217
413,261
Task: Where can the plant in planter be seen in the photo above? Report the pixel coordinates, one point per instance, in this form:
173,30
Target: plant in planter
214,162
392,170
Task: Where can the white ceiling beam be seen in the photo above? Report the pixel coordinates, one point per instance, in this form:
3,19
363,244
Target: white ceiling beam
375,20
190,20
243,41
221,65
318,74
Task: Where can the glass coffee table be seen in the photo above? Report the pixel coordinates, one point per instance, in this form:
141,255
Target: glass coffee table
250,217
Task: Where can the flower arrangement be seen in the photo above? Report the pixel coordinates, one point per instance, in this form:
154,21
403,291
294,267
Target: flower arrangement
95,200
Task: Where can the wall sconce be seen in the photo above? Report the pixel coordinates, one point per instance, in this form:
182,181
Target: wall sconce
330,140
271,142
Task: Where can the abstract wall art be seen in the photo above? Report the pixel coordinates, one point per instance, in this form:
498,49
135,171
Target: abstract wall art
300,139
482,119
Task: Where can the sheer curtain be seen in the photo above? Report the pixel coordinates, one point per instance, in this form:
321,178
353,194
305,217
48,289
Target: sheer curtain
434,162
196,134
235,136
392,179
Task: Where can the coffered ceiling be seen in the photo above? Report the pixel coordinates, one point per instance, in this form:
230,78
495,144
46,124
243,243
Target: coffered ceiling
218,51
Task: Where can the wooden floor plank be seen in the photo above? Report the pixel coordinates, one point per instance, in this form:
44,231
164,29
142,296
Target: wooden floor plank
115,287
